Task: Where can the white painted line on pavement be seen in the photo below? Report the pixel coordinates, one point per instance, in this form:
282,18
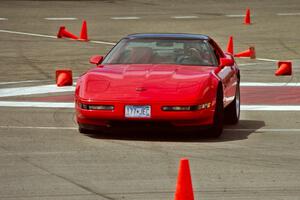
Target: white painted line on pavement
266,59
32,104
49,36
260,84
39,127
9,92
261,59
102,42
33,81
28,81
185,17
46,89
264,129
226,129
242,15
270,108
288,14
60,18
248,64
71,105
30,34
3,19
125,18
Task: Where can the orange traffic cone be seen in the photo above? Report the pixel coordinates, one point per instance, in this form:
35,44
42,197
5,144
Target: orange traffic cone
248,53
64,77
247,19
184,188
284,68
230,45
64,33
83,33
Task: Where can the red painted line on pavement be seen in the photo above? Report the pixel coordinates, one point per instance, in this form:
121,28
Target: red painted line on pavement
250,95
58,98
283,95
62,97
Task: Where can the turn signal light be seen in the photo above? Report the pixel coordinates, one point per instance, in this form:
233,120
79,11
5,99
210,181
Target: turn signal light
96,107
187,108
204,106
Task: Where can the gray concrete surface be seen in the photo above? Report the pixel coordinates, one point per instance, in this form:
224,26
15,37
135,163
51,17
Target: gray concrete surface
42,155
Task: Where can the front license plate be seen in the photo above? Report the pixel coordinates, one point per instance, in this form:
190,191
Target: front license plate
138,111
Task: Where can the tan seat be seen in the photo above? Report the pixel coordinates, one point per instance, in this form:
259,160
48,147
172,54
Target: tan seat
141,55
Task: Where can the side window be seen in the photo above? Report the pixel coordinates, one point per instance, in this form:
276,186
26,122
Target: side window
217,51
214,55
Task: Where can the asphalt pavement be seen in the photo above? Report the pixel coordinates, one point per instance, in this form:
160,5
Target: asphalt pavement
43,156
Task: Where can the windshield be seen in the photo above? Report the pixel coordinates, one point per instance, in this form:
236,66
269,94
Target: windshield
162,51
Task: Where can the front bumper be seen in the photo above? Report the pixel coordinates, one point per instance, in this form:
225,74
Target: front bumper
109,118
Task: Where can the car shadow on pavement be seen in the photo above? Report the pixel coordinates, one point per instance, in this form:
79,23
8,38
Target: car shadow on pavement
240,131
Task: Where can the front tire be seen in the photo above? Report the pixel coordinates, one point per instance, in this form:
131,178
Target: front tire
217,128
82,129
232,111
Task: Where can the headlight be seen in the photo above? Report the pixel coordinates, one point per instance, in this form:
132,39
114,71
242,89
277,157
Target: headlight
96,107
177,108
187,108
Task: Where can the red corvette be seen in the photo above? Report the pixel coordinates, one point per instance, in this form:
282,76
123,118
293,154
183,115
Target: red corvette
181,80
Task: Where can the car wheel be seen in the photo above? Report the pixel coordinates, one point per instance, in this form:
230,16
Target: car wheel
217,127
232,111
82,130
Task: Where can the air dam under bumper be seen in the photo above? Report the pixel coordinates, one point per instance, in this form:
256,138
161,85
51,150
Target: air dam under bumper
105,118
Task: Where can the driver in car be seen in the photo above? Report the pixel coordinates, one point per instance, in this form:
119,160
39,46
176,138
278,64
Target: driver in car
194,54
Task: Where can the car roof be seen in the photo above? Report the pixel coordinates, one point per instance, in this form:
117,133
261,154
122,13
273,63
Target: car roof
168,36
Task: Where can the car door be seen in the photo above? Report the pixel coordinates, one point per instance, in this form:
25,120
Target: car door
228,74
228,77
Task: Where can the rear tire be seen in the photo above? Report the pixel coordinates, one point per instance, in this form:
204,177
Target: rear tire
217,128
232,111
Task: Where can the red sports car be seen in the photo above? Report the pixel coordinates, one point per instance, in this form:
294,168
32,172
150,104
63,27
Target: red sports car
181,80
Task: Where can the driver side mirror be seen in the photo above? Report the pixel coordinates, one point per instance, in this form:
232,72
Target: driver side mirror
96,59
226,62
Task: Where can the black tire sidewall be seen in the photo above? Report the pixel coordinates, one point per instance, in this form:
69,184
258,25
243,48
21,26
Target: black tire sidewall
217,127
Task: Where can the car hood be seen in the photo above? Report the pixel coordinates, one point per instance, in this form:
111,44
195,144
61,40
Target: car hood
144,82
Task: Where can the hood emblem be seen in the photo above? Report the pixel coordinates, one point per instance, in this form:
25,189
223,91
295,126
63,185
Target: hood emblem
140,89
